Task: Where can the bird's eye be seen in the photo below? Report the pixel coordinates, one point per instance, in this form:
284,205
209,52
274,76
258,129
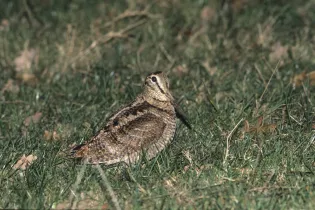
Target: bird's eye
153,79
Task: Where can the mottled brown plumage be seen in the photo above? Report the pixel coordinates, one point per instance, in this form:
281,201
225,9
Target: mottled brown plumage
146,125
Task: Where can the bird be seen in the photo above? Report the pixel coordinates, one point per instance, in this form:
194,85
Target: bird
145,126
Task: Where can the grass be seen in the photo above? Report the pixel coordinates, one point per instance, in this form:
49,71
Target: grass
230,66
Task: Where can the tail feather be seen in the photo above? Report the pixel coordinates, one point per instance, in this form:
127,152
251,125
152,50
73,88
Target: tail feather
79,151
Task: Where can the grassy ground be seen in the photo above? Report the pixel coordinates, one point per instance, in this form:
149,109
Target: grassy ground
241,71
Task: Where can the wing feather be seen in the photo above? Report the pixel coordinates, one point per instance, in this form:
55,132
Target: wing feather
113,145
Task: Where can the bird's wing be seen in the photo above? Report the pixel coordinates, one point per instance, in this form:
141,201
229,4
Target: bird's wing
112,145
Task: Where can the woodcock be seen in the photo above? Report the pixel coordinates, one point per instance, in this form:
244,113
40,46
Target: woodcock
145,126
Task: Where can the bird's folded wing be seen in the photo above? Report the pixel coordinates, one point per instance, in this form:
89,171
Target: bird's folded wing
135,136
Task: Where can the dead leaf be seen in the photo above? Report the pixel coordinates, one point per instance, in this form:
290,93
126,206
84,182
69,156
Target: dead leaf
4,24
24,162
211,70
25,60
298,79
105,206
278,53
27,77
259,121
180,70
51,136
311,77
10,86
207,14
34,118
23,64
61,131
270,128
186,168
259,127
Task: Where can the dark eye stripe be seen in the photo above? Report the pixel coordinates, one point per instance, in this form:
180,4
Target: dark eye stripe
162,91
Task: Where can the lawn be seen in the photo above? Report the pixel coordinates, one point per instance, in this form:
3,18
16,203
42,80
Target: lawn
242,71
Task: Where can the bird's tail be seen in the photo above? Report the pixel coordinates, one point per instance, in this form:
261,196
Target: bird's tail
79,151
